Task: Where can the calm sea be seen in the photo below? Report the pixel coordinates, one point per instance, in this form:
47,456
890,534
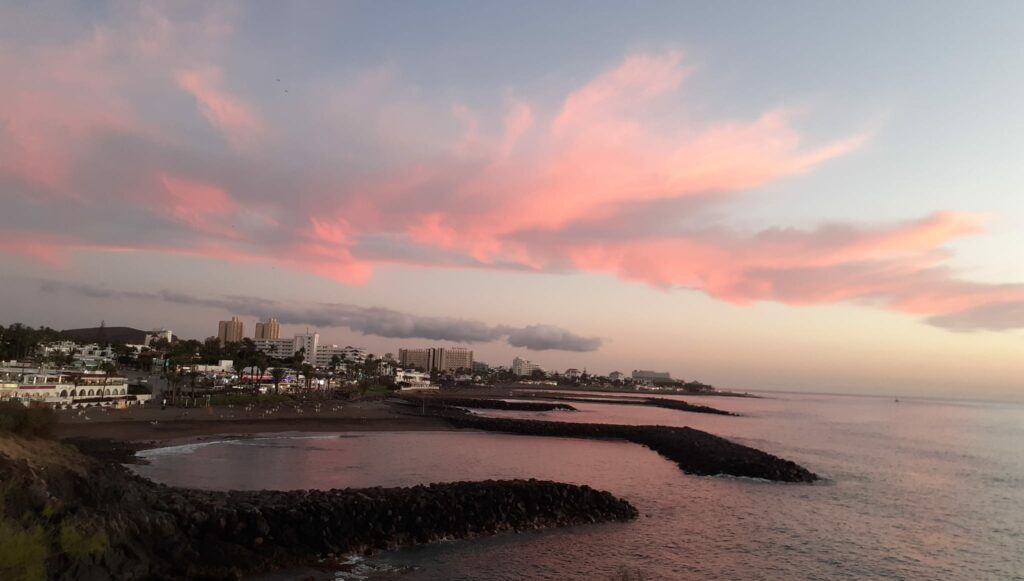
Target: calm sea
918,489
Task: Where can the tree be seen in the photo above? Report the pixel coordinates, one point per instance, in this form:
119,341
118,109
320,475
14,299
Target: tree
307,373
277,374
107,368
260,362
240,364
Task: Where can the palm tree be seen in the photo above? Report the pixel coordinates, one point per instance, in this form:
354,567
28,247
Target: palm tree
260,360
107,368
240,364
307,372
277,374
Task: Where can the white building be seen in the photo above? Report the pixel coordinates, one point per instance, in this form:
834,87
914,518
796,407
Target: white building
616,376
325,354
524,367
646,375
222,366
65,389
277,348
308,343
415,379
61,347
573,373
157,334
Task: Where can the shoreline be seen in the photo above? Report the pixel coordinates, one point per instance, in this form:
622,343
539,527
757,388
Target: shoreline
149,428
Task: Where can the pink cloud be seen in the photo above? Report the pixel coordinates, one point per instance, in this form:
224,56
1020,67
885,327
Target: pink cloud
228,113
201,206
548,186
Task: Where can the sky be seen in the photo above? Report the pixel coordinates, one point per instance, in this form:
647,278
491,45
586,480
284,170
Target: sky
809,196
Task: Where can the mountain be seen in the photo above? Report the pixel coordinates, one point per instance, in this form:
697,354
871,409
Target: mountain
106,335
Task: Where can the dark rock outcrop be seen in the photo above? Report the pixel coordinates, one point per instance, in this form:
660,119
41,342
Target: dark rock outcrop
151,531
695,452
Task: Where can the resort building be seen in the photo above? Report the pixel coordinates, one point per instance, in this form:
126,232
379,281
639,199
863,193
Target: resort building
70,390
157,334
276,348
325,355
230,331
616,376
645,375
524,367
413,379
573,373
437,358
269,329
308,343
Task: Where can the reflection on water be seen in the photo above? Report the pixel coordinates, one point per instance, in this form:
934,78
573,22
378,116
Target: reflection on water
919,489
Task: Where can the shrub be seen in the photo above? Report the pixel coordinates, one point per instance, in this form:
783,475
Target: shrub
76,543
23,551
26,421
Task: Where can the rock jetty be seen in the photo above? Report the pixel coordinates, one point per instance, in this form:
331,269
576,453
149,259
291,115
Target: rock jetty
672,404
83,519
695,452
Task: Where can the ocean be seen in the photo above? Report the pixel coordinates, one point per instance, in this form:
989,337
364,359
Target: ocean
915,489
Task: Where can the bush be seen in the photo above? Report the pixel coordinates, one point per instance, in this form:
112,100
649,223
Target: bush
26,421
23,552
78,544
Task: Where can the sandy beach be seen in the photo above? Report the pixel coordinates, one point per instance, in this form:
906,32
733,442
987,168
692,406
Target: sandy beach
151,425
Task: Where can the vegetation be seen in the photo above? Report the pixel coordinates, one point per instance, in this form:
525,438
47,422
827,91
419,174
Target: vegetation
25,547
77,543
20,341
23,552
26,421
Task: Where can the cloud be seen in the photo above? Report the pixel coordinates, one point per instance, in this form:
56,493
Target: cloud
992,316
378,321
227,113
619,174
542,337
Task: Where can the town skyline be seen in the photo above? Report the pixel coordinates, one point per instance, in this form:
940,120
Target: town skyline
734,195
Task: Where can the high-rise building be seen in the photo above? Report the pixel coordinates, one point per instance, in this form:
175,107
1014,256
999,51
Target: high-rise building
309,343
269,329
522,367
230,331
418,358
453,358
437,358
276,348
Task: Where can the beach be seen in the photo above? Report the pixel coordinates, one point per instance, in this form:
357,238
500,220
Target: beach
151,426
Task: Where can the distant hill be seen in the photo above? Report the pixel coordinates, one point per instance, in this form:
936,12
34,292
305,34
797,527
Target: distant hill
106,335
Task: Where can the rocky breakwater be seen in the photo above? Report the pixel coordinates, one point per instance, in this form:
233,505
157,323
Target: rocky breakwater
435,402
695,452
79,518
672,404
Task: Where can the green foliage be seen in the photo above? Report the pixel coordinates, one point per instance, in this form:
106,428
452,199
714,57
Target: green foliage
76,543
23,551
19,341
26,421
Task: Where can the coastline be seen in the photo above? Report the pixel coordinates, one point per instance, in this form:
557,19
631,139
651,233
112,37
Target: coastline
149,428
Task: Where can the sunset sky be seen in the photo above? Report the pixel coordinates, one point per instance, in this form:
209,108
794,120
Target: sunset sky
813,196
